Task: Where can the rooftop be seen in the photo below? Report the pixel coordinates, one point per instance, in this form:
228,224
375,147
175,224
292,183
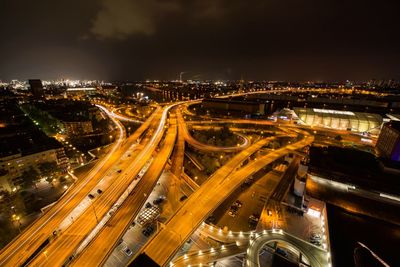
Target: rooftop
394,125
352,166
19,135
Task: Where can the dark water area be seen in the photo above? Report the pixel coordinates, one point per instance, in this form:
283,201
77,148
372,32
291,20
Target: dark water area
346,229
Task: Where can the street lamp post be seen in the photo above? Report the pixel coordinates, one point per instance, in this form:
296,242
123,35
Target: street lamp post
17,219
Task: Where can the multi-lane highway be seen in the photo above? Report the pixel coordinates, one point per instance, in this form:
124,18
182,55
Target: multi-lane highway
315,256
249,243
42,229
98,250
87,229
63,247
73,204
205,147
207,198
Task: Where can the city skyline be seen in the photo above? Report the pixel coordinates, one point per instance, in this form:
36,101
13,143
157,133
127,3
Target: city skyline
199,133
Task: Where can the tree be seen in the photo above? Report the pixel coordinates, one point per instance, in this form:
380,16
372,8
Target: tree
48,168
30,177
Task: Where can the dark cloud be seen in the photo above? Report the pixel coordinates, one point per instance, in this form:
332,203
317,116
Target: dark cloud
122,18
132,39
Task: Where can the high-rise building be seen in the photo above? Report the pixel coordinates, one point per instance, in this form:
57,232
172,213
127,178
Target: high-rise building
36,88
388,143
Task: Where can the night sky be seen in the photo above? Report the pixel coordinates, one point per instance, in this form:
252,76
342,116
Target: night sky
208,39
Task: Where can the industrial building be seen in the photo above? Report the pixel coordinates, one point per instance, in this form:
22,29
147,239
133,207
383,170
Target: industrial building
340,120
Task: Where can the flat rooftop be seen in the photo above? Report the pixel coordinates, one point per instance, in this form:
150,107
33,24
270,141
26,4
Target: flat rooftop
394,124
352,166
19,135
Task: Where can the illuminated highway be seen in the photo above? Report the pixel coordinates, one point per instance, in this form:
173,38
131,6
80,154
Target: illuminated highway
98,250
315,256
205,147
42,229
249,243
203,201
63,247
84,231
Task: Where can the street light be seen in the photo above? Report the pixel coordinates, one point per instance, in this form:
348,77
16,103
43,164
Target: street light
16,218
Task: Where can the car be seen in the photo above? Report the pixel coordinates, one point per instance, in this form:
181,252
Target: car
128,252
253,218
234,208
99,191
148,231
238,203
210,219
183,198
281,252
148,205
232,213
90,196
159,200
315,236
119,171
316,242
269,212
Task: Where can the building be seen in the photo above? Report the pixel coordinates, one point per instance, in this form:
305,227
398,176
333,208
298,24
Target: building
81,91
72,117
23,145
347,167
388,143
77,127
14,165
340,120
248,107
36,88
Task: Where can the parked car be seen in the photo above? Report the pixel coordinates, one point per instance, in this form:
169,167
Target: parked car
316,242
159,200
315,236
128,252
238,203
232,213
148,231
235,208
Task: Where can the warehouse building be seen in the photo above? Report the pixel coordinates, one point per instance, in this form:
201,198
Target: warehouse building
340,120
